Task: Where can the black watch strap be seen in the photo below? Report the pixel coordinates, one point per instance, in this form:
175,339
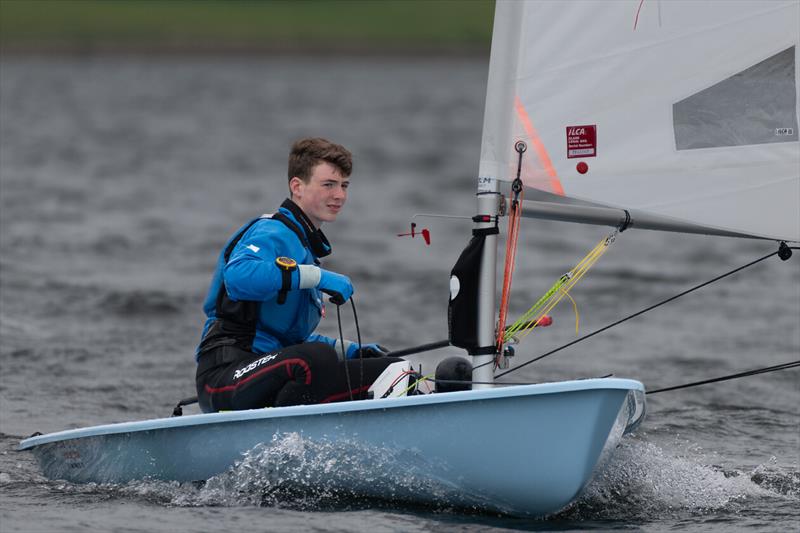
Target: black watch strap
286,266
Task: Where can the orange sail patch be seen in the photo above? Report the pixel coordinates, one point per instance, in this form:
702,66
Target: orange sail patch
551,183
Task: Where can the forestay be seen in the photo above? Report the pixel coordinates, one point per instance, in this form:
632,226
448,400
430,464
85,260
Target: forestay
685,110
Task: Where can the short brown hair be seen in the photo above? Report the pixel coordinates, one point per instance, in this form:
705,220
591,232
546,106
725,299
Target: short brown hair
309,152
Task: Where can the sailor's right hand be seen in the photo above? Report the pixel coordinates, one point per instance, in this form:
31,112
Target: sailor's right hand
338,286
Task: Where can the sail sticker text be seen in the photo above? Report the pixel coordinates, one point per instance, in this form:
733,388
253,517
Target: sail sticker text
581,141
781,132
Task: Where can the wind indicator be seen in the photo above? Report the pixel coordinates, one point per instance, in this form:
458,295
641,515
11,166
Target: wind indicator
425,232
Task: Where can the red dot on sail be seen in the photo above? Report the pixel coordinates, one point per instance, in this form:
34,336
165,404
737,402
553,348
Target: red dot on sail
582,167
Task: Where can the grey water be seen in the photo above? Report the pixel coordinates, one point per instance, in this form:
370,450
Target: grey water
120,179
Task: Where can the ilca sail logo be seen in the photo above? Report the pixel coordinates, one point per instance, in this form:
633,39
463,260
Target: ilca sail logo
582,141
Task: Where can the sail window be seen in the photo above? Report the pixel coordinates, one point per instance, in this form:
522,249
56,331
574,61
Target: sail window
754,106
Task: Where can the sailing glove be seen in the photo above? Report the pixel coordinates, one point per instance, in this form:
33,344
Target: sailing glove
338,286
367,351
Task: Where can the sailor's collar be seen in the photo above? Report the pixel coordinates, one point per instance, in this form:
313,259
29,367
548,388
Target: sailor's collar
316,240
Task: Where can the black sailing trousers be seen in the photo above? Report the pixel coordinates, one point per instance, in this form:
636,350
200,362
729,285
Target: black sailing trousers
229,378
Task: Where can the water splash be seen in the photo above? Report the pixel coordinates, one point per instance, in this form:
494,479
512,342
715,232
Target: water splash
299,473
642,482
776,479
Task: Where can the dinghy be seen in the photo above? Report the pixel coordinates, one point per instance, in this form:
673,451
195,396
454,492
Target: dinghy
552,436
658,115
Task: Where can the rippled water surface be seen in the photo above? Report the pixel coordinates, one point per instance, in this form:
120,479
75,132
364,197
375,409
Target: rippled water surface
121,178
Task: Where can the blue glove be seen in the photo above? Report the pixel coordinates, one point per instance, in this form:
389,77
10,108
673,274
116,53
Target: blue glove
338,286
367,351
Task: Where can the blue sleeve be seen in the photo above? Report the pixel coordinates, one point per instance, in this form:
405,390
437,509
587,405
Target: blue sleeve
251,272
316,337
350,347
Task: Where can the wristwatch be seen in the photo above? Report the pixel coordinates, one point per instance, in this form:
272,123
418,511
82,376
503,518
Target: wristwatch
285,265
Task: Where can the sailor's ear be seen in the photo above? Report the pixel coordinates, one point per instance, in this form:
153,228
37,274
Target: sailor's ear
294,185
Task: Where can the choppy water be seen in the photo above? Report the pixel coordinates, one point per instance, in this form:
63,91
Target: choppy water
121,178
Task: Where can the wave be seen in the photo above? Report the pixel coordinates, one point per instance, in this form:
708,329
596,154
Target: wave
643,482
142,303
93,299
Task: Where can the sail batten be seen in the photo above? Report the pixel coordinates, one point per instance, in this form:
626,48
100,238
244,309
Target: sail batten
691,113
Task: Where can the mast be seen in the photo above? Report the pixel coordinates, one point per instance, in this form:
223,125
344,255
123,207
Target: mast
488,206
496,148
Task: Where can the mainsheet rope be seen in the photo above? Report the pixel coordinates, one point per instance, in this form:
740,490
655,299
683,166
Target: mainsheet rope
341,343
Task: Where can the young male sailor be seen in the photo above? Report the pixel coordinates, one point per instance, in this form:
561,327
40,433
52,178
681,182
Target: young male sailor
258,347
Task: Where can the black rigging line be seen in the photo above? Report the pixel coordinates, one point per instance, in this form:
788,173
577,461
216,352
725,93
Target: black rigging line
344,352
782,366
643,311
774,368
358,338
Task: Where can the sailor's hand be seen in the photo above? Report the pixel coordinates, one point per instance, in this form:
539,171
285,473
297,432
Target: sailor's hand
338,286
367,351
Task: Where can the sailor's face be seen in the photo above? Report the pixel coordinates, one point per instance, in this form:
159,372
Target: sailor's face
323,196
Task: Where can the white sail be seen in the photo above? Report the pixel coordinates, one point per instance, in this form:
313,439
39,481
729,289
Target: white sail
686,110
